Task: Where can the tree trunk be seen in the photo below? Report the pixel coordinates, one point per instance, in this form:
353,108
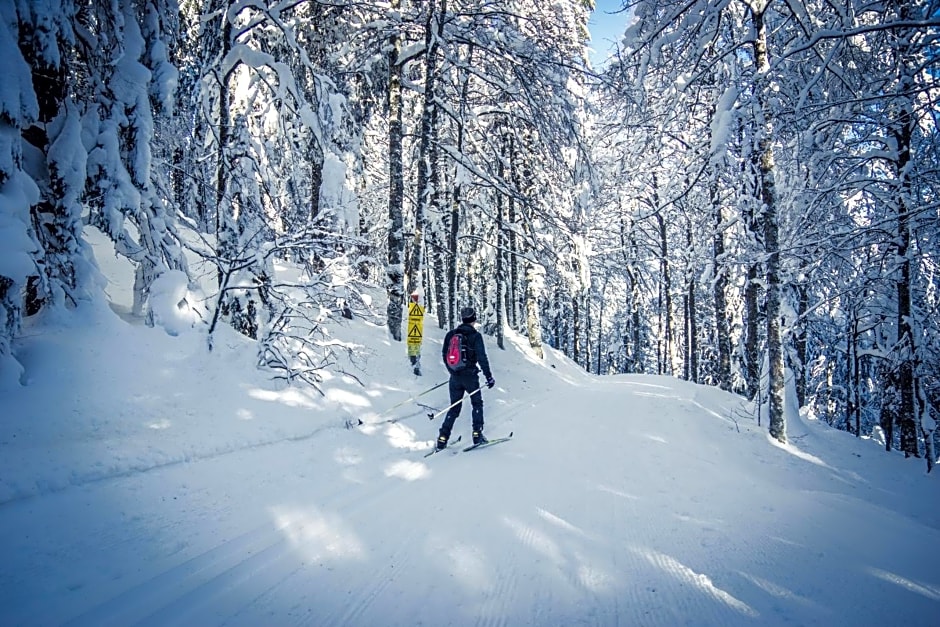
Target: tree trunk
775,384
557,315
889,407
752,361
752,288
424,191
719,287
316,177
440,265
902,133
856,378
500,278
920,398
316,181
395,285
691,323
513,244
441,276
851,363
631,336
533,283
588,328
666,365
223,238
600,327
801,354
454,222
576,329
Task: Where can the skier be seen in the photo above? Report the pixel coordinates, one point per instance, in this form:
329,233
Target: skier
465,378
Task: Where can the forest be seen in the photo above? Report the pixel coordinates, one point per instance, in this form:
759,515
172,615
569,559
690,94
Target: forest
745,195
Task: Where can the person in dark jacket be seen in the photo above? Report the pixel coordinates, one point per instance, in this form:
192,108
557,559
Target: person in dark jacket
466,380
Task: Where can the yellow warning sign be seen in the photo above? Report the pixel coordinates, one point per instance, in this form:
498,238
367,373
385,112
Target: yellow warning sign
415,334
415,328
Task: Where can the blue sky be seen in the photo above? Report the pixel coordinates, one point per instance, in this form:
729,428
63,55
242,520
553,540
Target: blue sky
605,28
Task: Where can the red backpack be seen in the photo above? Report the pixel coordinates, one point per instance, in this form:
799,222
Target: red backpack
457,354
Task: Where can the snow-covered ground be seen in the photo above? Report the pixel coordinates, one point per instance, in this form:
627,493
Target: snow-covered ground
146,481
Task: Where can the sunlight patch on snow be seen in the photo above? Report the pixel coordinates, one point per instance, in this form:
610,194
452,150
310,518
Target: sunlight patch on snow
380,390
587,575
593,579
775,590
685,574
316,535
408,470
292,397
656,438
647,385
402,437
535,539
931,592
560,522
646,394
160,425
368,429
345,397
790,448
616,492
245,414
347,457
787,542
710,411
652,390
707,524
354,476
468,566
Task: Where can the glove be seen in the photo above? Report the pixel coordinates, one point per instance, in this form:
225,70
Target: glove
490,382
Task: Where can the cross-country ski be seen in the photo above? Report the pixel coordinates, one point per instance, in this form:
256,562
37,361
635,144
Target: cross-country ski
488,443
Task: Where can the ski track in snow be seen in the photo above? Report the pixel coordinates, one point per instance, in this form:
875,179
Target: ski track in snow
129,469
213,586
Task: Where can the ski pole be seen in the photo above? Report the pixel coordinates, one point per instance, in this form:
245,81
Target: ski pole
444,411
407,400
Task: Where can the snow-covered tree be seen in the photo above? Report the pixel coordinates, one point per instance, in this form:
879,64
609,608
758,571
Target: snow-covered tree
130,79
19,110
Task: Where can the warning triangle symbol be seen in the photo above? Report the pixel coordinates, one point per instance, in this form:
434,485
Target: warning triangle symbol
415,331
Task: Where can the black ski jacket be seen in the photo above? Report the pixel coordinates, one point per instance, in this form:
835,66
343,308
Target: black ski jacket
475,342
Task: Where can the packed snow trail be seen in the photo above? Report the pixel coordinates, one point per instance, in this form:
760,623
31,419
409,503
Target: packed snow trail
144,481
621,501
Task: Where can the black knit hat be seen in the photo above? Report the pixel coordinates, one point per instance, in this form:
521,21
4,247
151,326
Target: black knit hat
468,315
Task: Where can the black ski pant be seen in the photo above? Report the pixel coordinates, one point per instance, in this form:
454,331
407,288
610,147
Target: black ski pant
461,383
